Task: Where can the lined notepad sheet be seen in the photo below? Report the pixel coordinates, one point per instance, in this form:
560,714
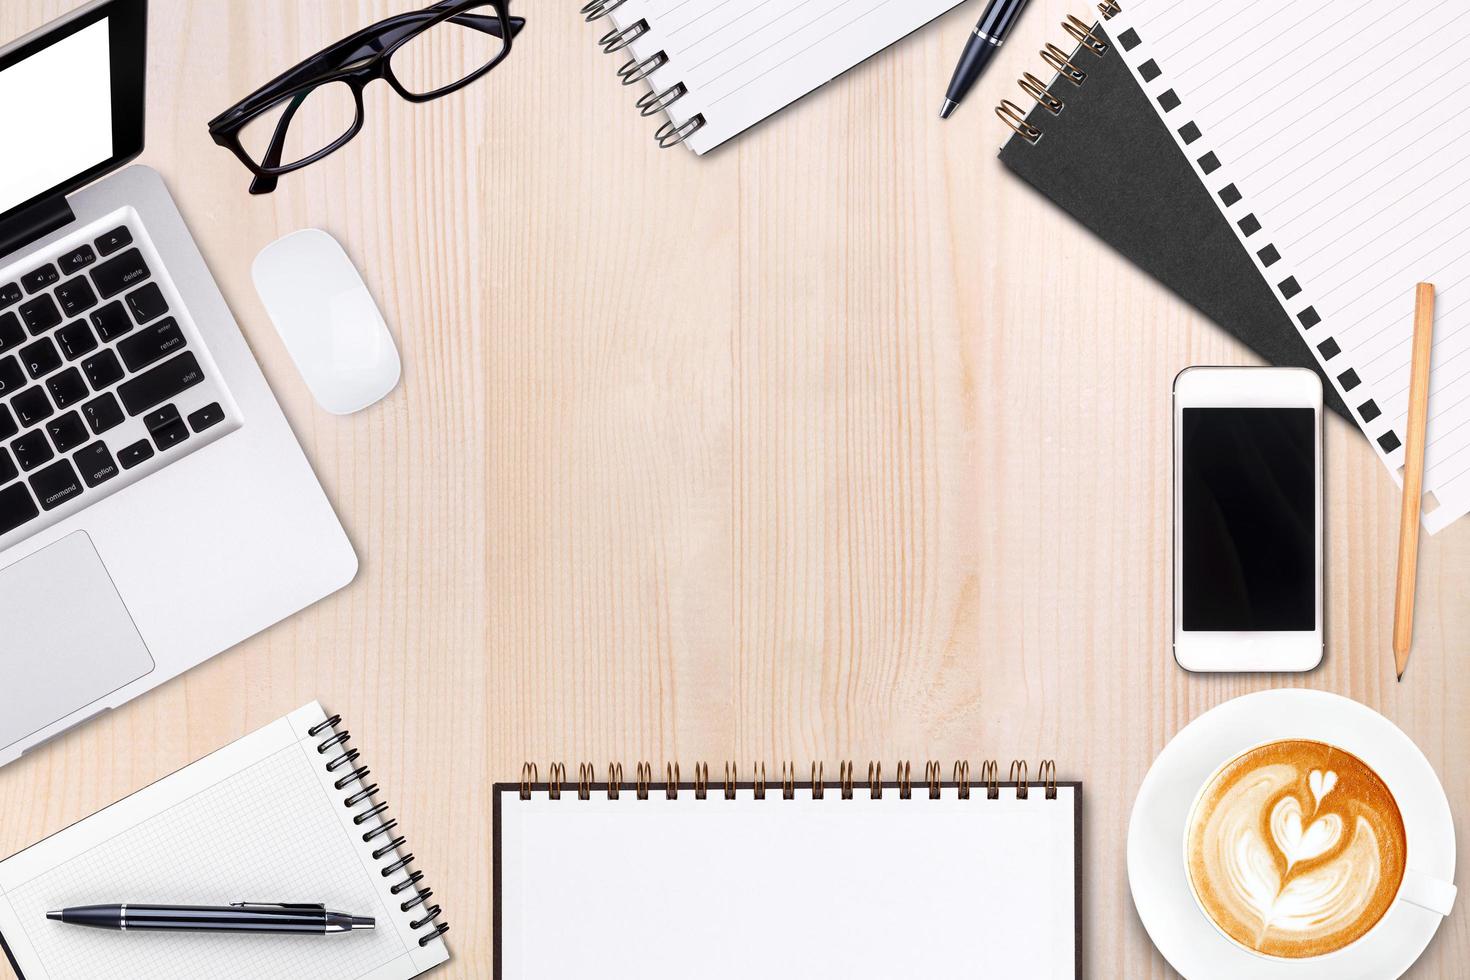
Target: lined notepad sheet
668,889
743,60
257,821
1333,136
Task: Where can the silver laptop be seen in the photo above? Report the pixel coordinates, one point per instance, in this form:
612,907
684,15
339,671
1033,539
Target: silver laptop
155,508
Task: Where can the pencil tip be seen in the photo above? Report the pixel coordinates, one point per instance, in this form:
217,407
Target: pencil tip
1401,677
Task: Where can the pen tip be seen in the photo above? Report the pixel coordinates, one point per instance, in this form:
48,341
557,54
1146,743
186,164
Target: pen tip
947,110
54,916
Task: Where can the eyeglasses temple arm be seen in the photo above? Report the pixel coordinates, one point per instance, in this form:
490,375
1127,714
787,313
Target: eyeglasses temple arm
264,184
479,22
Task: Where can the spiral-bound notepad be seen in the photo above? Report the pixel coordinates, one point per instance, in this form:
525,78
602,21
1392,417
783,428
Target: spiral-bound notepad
285,814
714,68
1344,178
926,875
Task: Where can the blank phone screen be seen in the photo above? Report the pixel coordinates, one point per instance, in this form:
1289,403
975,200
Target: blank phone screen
1250,519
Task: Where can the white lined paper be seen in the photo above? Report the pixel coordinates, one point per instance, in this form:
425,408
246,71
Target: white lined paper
1351,153
743,60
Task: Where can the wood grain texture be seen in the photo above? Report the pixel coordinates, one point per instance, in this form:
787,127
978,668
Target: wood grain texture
836,444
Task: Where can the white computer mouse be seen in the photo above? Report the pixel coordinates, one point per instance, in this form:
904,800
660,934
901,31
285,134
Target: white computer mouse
328,321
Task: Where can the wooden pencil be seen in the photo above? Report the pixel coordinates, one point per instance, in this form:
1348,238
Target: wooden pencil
1403,608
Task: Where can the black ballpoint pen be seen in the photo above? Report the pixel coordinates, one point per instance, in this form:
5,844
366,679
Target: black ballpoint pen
994,24
311,920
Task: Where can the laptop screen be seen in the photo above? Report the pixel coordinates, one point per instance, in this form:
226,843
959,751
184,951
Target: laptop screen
71,110
61,97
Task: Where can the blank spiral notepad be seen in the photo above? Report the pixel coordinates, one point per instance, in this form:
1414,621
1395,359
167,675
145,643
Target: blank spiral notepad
793,879
261,820
1339,158
715,68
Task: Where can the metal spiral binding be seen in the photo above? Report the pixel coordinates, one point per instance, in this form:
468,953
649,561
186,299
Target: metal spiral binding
637,69
757,785
1046,774
1064,64
1018,776
386,843
990,776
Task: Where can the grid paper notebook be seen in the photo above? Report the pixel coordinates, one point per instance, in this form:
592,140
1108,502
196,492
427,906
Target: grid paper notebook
714,68
794,879
1344,179
261,820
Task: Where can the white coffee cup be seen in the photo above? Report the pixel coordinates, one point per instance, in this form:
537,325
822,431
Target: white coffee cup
1416,888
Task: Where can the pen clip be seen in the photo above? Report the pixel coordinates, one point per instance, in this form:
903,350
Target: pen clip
266,906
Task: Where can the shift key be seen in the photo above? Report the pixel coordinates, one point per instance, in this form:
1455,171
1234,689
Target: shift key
157,385
150,344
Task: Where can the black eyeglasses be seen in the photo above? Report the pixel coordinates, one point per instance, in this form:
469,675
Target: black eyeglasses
316,108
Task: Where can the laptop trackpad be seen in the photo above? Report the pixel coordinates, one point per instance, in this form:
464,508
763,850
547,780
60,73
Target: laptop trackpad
66,638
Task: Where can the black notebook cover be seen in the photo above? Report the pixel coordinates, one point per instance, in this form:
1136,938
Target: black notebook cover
1109,162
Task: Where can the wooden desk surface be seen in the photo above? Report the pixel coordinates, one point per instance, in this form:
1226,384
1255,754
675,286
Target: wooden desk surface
836,444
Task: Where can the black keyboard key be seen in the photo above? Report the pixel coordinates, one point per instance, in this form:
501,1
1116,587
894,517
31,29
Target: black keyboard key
207,416
40,314
147,303
8,470
152,344
138,452
116,275
16,507
170,435
102,413
67,432
77,260
76,339
165,426
41,278
76,296
8,425
32,450
115,239
67,388
11,334
112,321
32,406
167,415
158,384
41,358
103,370
12,378
10,294
56,484
96,464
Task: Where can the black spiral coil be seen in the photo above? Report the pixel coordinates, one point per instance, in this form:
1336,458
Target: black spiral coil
636,69
426,916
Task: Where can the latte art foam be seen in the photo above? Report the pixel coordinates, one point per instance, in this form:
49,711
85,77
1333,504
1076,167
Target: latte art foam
1296,849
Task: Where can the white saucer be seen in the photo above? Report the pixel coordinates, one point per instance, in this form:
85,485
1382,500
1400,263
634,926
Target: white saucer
1156,874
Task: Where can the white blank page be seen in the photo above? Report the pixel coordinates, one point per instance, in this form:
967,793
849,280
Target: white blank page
743,60
1340,157
720,888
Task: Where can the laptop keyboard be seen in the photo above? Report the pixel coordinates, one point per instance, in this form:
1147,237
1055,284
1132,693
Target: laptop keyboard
103,380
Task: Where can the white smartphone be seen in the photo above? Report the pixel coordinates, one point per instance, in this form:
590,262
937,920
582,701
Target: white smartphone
1247,519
